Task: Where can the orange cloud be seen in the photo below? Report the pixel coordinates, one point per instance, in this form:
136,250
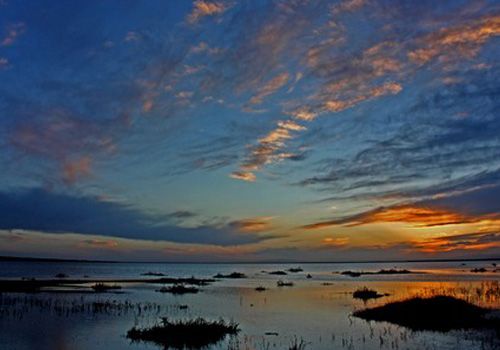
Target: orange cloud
468,241
389,88
98,243
336,242
243,175
203,8
415,215
268,150
76,169
270,87
257,224
461,41
348,6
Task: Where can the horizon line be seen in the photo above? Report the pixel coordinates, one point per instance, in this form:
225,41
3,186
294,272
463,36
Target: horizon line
4,258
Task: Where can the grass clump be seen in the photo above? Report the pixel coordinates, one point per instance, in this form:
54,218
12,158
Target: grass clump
102,287
151,273
182,334
365,294
439,313
297,345
178,289
231,275
281,283
278,273
380,272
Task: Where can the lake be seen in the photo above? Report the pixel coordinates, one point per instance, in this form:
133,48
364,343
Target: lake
316,311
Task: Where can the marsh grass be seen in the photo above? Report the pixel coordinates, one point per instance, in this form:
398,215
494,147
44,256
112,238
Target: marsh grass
366,294
278,273
438,313
231,275
380,272
297,345
103,287
281,283
183,334
178,289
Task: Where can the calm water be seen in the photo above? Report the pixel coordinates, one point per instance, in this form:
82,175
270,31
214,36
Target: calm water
317,310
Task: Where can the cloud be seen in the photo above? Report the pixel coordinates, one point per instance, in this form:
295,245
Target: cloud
453,43
203,8
348,6
269,88
4,63
268,150
13,32
43,211
243,175
76,169
100,243
467,242
417,216
474,206
257,224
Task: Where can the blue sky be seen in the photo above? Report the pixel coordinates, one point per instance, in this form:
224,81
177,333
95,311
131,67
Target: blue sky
249,130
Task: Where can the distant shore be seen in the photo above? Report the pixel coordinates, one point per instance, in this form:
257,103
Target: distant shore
36,259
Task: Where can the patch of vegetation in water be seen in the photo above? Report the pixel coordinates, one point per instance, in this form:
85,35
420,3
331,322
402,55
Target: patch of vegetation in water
103,287
439,313
231,275
366,294
197,333
178,289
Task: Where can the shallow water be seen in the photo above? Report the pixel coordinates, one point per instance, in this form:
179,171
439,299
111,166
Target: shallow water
317,310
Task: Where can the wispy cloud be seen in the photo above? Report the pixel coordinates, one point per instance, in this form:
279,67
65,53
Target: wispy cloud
462,41
270,87
268,150
204,8
418,216
12,33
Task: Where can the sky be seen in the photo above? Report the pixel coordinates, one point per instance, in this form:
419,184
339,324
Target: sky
215,130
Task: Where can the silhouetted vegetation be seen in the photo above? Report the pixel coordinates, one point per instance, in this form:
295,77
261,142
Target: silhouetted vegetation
278,273
281,283
102,287
231,275
150,273
178,289
61,275
189,334
439,313
365,294
297,345
479,270
351,273
296,269
380,272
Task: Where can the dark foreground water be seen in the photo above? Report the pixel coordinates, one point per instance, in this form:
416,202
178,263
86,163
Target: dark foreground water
316,310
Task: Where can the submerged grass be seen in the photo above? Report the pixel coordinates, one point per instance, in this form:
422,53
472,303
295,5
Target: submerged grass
438,313
182,334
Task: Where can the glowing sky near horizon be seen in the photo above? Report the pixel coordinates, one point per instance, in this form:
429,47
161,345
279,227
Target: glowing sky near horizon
250,130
